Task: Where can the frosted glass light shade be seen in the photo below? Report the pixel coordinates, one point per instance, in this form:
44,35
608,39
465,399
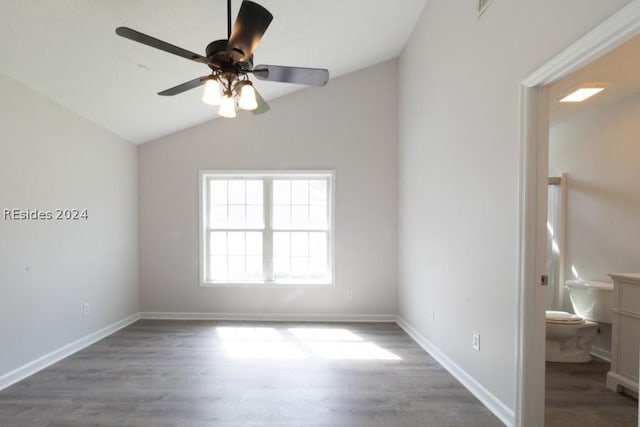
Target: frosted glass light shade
582,94
211,94
248,97
227,107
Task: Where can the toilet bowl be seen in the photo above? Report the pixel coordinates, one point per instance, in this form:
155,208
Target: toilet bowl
569,336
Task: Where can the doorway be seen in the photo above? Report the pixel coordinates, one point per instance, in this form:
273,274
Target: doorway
593,206
534,151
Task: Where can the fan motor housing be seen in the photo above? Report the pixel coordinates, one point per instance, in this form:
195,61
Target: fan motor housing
218,54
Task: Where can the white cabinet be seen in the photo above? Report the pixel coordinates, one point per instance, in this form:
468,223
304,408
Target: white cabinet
625,340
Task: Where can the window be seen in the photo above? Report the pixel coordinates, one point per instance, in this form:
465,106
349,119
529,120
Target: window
266,228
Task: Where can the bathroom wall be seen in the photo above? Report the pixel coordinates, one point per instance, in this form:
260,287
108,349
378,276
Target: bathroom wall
600,152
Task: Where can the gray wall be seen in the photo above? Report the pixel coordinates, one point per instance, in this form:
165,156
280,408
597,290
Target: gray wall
458,184
50,158
349,126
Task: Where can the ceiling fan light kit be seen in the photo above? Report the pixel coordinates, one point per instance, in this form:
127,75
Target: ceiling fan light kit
212,95
247,100
231,63
227,106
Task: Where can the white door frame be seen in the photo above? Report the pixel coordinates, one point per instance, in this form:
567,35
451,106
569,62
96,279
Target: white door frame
532,205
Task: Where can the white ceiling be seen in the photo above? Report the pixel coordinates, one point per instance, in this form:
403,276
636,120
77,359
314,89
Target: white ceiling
618,70
68,51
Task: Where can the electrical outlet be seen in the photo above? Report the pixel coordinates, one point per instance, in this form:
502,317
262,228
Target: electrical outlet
476,341
432,314
349,294
86,309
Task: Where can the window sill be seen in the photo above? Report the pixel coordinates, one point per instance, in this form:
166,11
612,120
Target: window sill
267,285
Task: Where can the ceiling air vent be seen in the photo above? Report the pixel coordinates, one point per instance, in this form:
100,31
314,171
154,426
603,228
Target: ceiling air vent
483,5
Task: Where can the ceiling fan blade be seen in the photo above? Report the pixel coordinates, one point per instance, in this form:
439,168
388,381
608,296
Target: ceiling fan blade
263,107
184,86
139,37
298,75
251,23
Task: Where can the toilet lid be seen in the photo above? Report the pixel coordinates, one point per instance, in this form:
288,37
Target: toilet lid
563,317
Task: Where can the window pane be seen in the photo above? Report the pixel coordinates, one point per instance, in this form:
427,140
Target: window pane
254,192
218,243
236,267
318,217
254,267
299,192
318,267
299,216
299,267
318,244
254,244
236,216
218,218
218,192
235,244
281,244
281,192
281,266
236,192
255,216
300,244
218,267
318,192
282,216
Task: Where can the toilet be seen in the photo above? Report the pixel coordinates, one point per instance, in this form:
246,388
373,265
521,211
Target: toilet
569,336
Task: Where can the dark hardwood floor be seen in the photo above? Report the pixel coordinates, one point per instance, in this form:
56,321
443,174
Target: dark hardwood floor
577,396
205,373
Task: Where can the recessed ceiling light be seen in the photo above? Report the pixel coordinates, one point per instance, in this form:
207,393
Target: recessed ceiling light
582,94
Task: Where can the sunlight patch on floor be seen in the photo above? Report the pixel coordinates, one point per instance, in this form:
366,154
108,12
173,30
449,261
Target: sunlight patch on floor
247,333
245,342
351,351
324,334
263,350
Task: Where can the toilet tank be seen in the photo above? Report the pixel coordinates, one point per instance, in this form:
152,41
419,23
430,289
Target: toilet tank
591,300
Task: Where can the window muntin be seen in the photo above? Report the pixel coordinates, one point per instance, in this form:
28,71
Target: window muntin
299,255
300,204
266,228
235,255
236,204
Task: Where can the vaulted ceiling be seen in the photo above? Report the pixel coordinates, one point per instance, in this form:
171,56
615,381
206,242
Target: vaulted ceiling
68,51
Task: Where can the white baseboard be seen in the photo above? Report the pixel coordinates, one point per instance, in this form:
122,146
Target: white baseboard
495,405
601,353
48,359
274,317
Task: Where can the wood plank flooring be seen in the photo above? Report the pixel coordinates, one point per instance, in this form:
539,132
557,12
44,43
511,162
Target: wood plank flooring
576,395
205,373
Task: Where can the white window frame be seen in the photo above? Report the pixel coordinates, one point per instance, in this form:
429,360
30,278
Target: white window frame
268,177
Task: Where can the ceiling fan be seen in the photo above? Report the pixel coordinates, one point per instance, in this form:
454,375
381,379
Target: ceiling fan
231,63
